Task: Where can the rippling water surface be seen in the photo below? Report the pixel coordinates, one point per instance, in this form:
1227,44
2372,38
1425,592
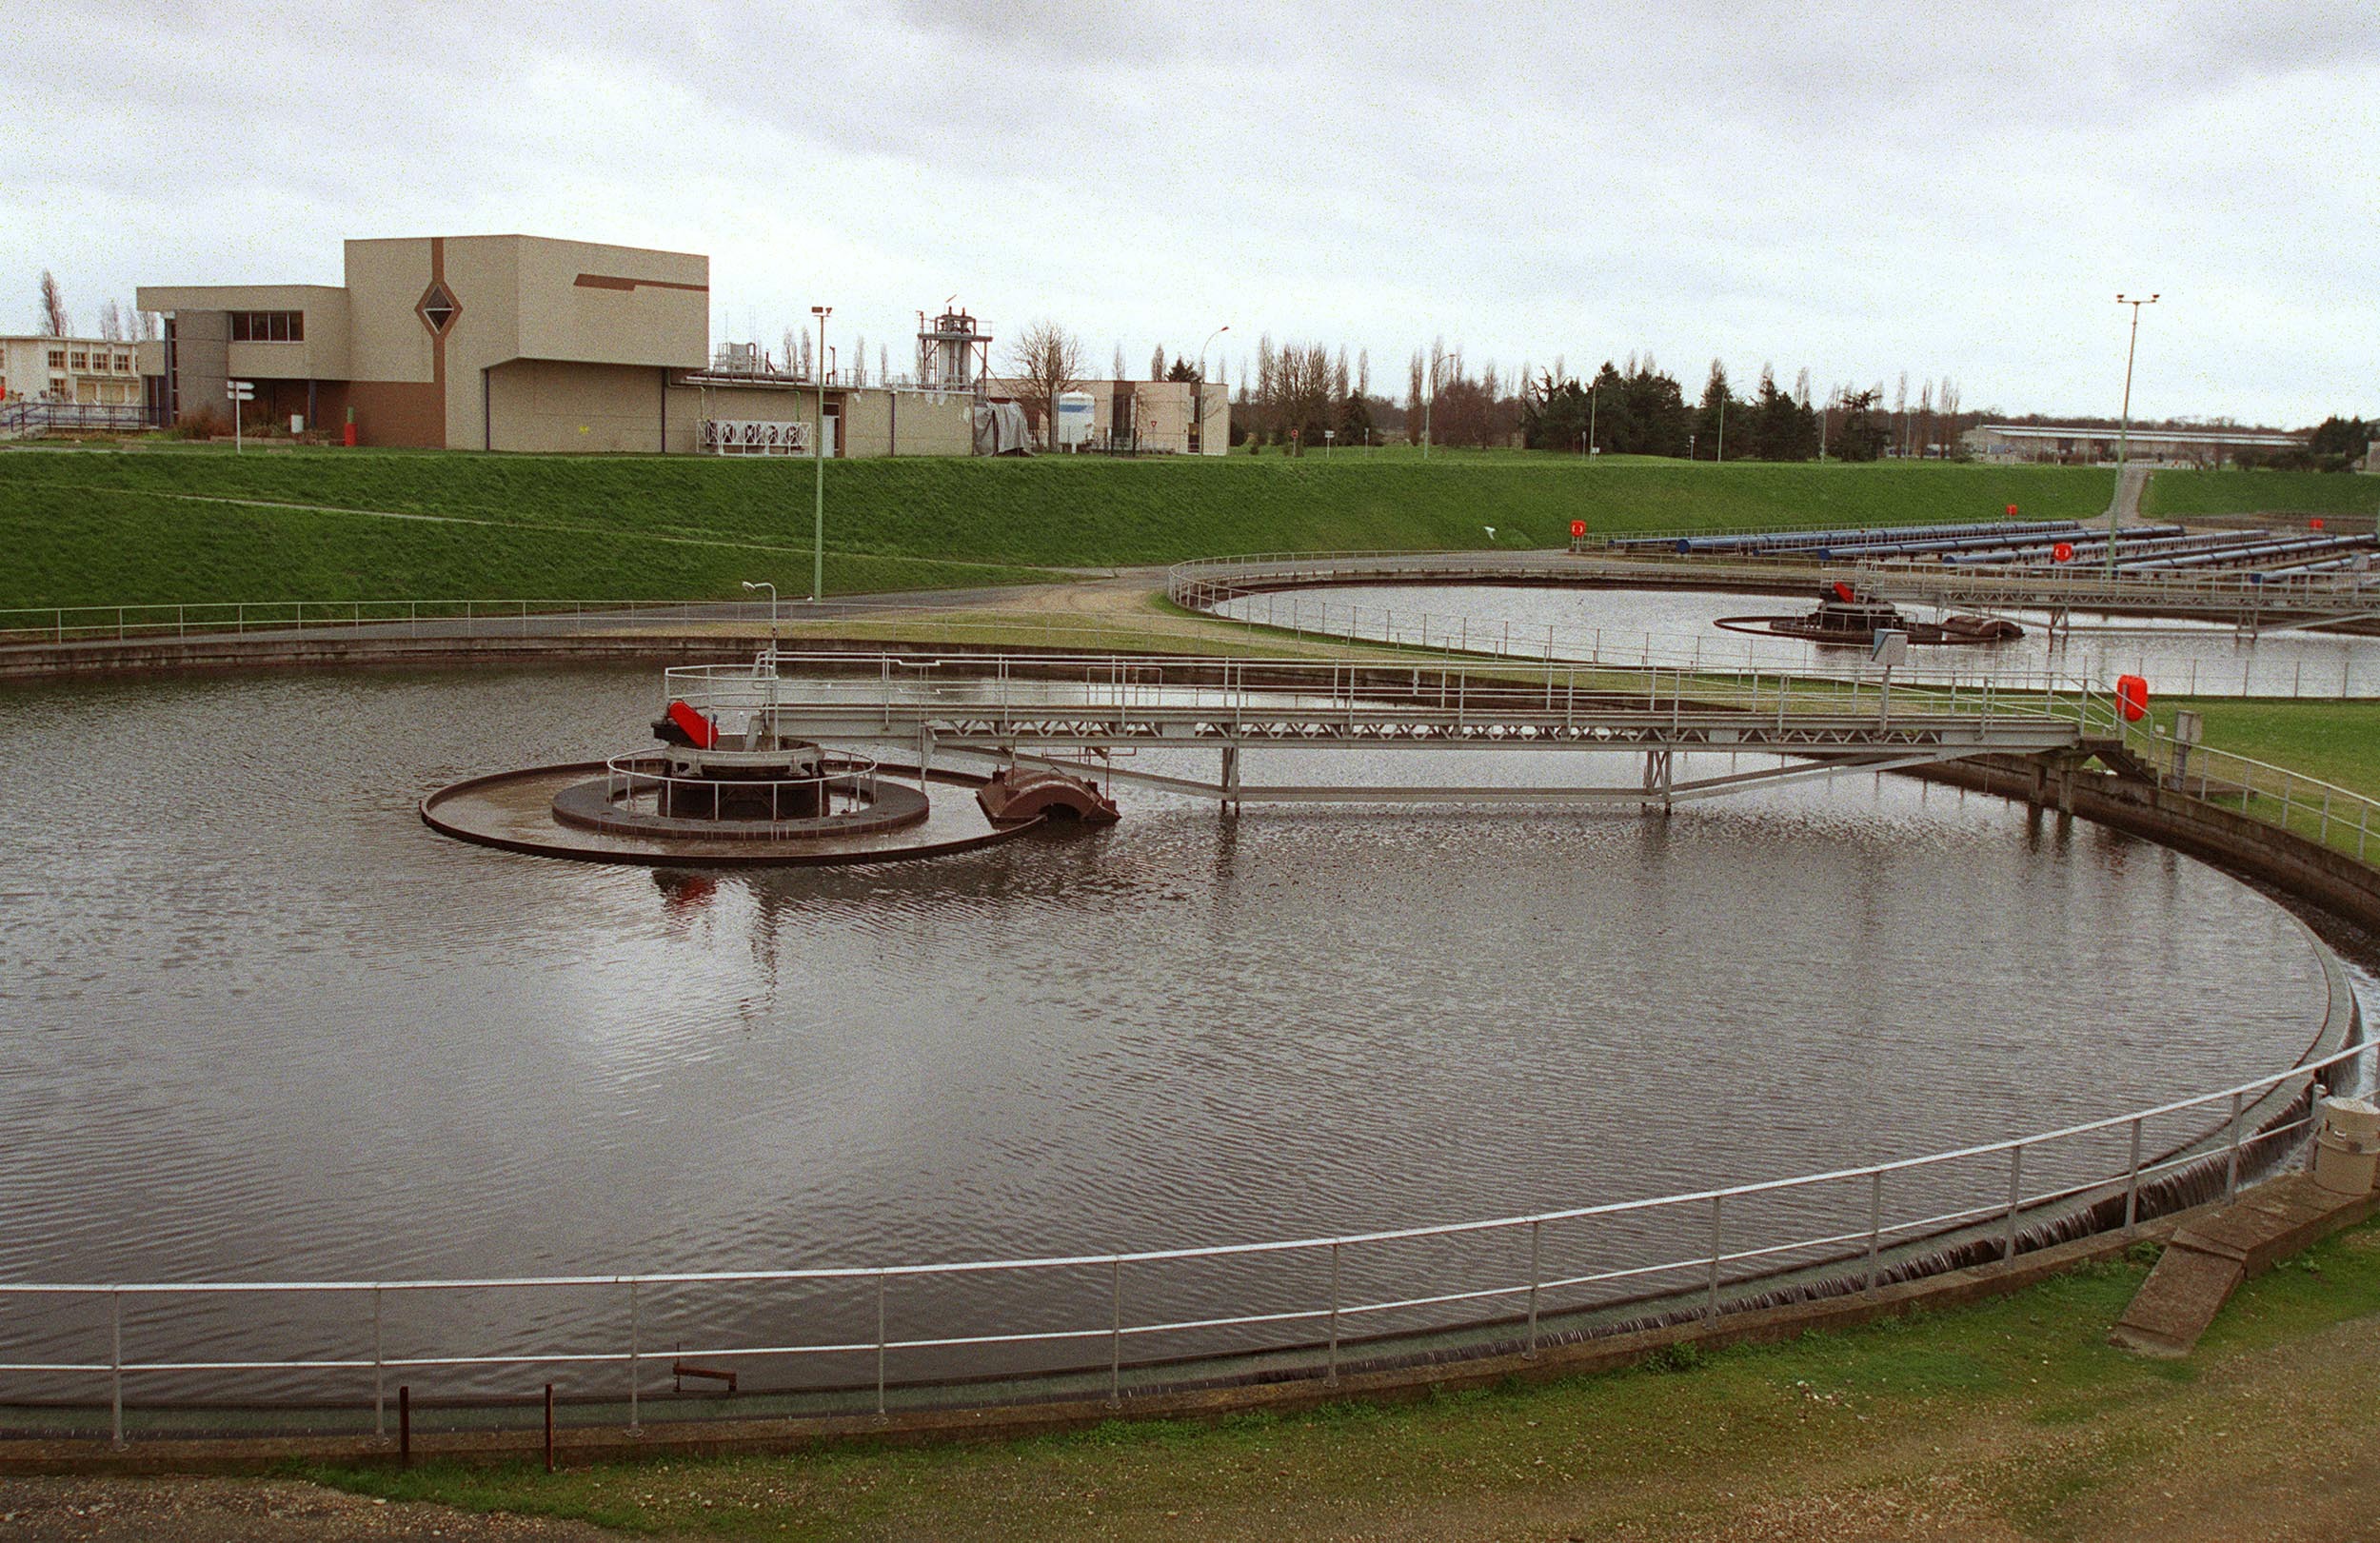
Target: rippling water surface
2178,658
256,1020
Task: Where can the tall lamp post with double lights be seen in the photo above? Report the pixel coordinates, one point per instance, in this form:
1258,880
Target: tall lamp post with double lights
1198,404
2124,428
818,453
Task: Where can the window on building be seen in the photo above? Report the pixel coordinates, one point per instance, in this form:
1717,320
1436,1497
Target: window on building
57,359
81,363
268,326
123,364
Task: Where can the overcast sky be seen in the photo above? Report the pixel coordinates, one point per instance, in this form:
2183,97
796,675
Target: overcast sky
1948,190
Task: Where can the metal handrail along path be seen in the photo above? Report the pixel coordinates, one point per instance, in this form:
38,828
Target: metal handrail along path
1850,1252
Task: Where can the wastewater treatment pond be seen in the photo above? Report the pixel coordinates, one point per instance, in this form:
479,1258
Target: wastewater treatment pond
257,1022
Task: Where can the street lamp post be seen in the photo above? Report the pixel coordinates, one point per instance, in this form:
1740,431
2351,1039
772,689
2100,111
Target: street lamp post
1197,403
2124,430
818,453
1591,405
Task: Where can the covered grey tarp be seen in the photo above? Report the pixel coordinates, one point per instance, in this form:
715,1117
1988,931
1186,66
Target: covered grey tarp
1000,430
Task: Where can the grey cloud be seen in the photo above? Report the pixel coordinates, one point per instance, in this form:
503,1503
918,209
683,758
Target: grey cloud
1854,188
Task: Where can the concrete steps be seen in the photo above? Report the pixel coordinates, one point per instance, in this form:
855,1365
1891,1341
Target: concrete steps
2208,1259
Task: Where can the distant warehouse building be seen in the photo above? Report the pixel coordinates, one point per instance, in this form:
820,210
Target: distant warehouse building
2089,445
528,344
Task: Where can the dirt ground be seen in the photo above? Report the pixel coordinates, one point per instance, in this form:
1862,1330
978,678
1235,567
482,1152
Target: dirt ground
243,1511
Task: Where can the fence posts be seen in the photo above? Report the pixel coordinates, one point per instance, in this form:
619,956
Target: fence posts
1116,1338
1331,1377
2231,1166
2015,1191
636,1426
2131,1183
116,1369
1711,1292
1876,1226
1531,1353
880,1344
380,1385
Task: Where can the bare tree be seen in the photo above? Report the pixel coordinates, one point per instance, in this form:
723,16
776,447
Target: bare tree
111,322
54,322
1156,364
1363,372
1116,369
1413,400
1044,364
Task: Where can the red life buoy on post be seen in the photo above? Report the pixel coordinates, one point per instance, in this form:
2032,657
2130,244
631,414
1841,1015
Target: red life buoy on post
2131,698
2062,552
1577,529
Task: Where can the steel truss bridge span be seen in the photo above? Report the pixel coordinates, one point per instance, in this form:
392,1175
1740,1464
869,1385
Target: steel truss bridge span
1085,711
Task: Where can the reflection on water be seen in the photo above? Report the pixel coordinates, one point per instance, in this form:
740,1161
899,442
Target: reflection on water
255,1020
2178,658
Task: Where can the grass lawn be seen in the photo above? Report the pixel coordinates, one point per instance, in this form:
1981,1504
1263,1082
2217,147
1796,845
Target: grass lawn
109,527
2181,494
2338,741
2011,1419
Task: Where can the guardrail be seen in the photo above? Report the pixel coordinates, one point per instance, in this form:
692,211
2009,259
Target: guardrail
1326,1290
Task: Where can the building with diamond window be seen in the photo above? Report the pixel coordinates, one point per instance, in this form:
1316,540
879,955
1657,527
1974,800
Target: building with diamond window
469,342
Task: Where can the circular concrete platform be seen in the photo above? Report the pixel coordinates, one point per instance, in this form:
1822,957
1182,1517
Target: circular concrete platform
515,811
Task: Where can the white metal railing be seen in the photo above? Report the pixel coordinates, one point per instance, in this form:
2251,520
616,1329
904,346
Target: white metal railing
2335,816
2095,1162
630,777
1519,693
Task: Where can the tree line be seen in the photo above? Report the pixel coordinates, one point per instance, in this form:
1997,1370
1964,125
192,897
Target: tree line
1641,409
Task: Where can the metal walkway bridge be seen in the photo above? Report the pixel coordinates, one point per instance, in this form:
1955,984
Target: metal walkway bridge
1063,711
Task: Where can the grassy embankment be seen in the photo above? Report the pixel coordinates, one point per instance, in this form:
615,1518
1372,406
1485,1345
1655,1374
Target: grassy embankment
2173,494
106,528
2008,1419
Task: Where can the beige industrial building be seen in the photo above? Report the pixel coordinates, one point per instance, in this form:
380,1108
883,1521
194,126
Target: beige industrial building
527,344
